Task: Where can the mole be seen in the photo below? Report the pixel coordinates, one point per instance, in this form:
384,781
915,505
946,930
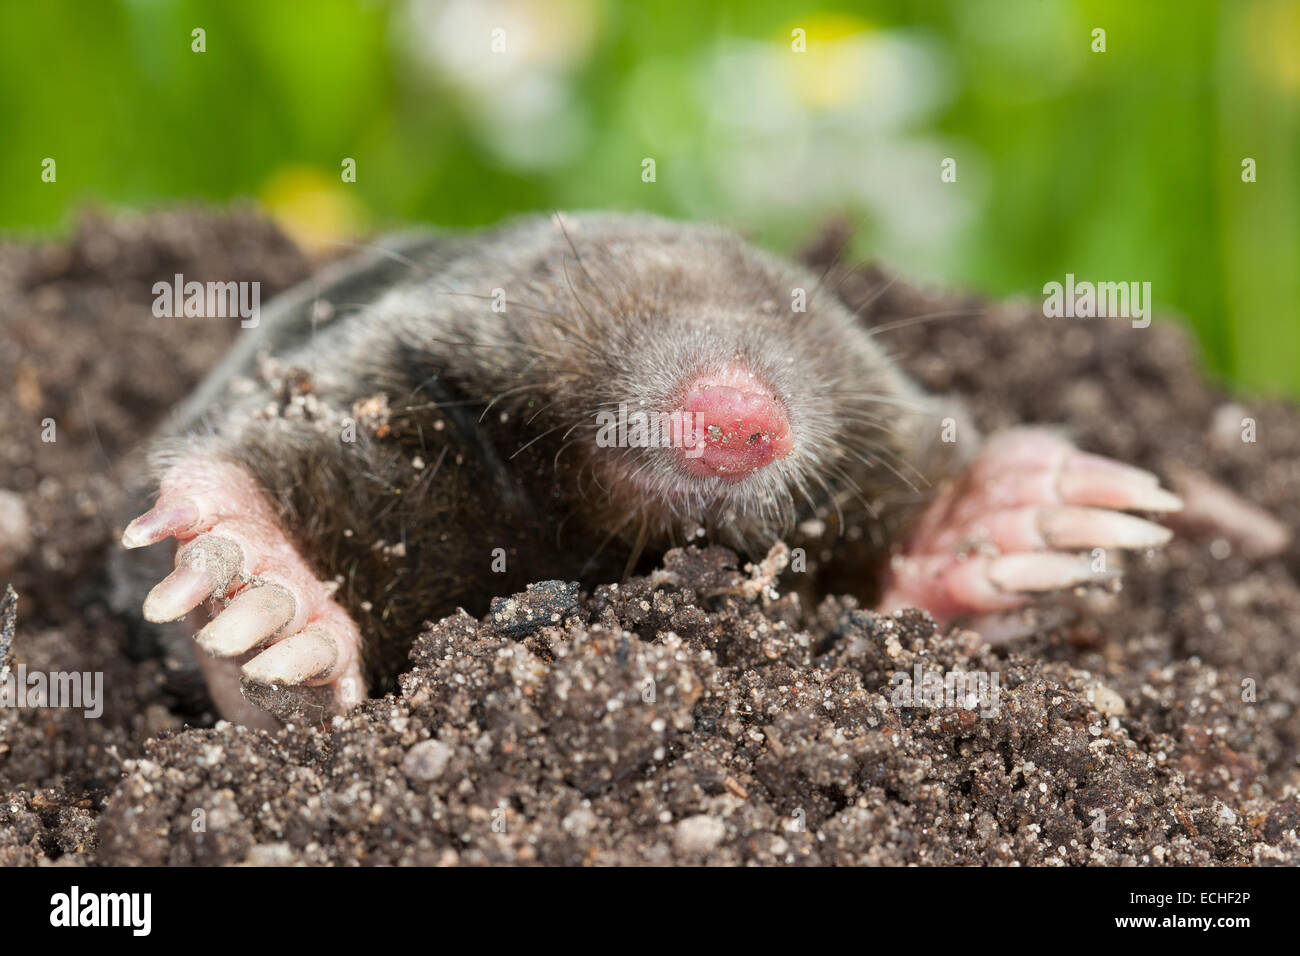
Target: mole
450,416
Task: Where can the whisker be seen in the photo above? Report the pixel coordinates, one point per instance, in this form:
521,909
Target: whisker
500,395
919,319
638,546
564,231
604,543
884,287
539,411
885,399
387,253
534,440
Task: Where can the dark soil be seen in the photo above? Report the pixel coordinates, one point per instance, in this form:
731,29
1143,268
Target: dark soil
671,719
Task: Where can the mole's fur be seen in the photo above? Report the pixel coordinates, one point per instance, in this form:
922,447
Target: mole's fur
454,416
411,413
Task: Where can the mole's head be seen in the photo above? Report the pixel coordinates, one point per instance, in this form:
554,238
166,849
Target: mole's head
693,381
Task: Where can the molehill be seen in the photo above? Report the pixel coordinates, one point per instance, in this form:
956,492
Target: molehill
680,716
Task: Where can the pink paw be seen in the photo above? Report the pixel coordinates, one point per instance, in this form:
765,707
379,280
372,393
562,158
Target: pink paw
273,621
1014,526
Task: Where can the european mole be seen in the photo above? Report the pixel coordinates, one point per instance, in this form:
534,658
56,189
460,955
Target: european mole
453,416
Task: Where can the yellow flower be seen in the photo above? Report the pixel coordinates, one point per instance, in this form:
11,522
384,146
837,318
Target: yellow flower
1273,35
314,208
832,71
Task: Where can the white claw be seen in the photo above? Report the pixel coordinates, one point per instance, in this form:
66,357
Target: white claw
1115,489
177,594
166,518
311,654
1039,572
252,617
207,564
1154,498
1083,461
1069,529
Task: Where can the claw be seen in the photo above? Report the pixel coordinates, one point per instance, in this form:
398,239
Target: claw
1034,449
991,542
234,549
949,589
310,655
1039,572
163,520
1063,528
1114,489
253,616
1084,461
207,565
1078,528
177,594
1213,509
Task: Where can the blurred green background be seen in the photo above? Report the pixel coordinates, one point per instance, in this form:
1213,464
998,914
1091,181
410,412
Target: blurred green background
1122,165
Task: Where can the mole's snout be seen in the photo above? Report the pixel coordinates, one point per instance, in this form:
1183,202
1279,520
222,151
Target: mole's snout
734,425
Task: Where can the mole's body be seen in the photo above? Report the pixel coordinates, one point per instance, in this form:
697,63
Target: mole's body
454,416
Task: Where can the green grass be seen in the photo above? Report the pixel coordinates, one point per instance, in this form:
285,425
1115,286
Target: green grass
1122,165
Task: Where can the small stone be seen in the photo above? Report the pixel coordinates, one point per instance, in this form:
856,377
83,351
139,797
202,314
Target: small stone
269,854
426,760
581,822
1107,701
15,528
698,835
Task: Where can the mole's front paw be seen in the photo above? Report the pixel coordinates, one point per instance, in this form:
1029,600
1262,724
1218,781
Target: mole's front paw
274,622
1015,524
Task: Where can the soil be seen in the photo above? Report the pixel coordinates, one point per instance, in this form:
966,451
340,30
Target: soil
679,717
